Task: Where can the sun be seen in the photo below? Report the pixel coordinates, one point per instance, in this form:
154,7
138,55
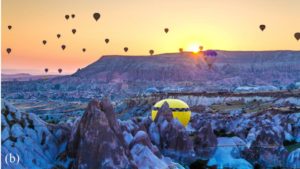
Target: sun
194,47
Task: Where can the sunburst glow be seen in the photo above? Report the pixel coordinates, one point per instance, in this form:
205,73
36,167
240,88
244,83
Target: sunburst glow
194,47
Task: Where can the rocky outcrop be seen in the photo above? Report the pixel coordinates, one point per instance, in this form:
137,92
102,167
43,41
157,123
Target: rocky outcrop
36,143
266,146
101,141
293,160
99,136
205,142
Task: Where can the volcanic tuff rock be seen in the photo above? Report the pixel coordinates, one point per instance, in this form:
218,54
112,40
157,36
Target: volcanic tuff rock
205,142
37,143
97,141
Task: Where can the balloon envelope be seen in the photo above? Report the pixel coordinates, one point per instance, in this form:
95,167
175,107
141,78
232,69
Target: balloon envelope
44,42
59,70
96,16
58,36
106,40
210,56
73,31
67,17
180,110
63,47
262,27
73,15
9,27
8,50
151,52
297,36
83,49
46,70
166,30
126,49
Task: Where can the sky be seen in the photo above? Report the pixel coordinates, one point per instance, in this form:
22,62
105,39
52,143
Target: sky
138,25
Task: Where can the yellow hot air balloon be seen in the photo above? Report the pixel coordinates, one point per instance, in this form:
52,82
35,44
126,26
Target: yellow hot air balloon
179,108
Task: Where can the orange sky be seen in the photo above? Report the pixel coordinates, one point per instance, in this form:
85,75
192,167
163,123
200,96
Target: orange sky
139,25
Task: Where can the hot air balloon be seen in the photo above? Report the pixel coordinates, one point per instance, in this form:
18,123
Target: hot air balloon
44,42
126,49
63,47
180,50
151,52
58,36
96,16
83,49
67,17
9,27
106,40
210,56
8,50
73,16
200,48
297,36
59,70
78,69
262,27
166,30
73,31
46,70
180,110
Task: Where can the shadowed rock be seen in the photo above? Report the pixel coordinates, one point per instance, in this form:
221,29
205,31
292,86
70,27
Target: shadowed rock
205,142
97,141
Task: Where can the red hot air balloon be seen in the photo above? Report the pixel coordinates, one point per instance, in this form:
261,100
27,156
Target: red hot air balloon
8,50
297,36
59,70
126,49
151,52
96,16
106,40
262,27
